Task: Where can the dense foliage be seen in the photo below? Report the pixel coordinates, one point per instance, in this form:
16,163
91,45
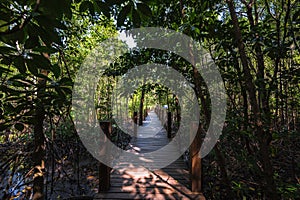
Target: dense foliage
254,43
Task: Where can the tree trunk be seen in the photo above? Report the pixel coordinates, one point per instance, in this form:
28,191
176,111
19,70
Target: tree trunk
262,135
141,107
39,141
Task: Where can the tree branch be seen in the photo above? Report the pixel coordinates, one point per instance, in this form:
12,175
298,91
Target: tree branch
23,24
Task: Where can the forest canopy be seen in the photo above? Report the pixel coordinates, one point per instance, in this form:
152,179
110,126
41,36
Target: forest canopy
254,43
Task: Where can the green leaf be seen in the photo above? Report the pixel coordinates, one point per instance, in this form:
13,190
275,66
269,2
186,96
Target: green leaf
56,70
19,126
8,107
48,23
47,36
67,10
60,92
7,50
67,90
23,82
115,2
144,9
31,42
104,8
136,19
5,17
55,8
123,14
44,77
44,49
18,36
3,127
86,5
296,16
204,5
20,64
65,81
32,30
32,67
40,61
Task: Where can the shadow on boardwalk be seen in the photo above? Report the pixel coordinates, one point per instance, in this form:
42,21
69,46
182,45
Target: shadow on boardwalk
171,182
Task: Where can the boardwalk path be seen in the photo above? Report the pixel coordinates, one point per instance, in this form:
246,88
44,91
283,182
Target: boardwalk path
171,182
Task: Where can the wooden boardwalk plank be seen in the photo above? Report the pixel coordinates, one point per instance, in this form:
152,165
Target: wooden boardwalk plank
171,182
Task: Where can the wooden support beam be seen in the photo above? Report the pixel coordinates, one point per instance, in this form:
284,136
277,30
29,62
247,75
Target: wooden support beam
169,128
104,171
145,113
196,167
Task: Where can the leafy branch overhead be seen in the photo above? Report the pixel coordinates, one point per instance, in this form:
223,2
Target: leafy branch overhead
254,43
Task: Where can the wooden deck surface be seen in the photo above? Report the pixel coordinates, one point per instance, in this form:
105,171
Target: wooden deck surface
171,182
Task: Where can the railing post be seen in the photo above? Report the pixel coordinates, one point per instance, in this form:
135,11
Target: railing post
196,167
145,113
169,129
104,171
162,116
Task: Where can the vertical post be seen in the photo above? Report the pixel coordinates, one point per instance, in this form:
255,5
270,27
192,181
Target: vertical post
162,116
169,124
135,121
177,110
141,116
145,114
104,171
195,168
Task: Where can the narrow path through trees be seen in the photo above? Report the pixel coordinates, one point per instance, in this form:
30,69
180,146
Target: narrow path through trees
171,182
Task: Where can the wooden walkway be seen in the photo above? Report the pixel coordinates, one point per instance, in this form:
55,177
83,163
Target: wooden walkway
171,182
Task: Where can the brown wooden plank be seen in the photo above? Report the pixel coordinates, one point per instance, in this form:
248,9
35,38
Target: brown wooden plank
171,182
150,196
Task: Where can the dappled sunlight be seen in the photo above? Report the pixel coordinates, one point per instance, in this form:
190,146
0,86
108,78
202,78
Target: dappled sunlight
145,160
140,183
130,180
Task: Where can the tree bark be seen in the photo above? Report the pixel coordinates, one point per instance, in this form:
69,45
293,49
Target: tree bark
141,107
39,141
262,135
